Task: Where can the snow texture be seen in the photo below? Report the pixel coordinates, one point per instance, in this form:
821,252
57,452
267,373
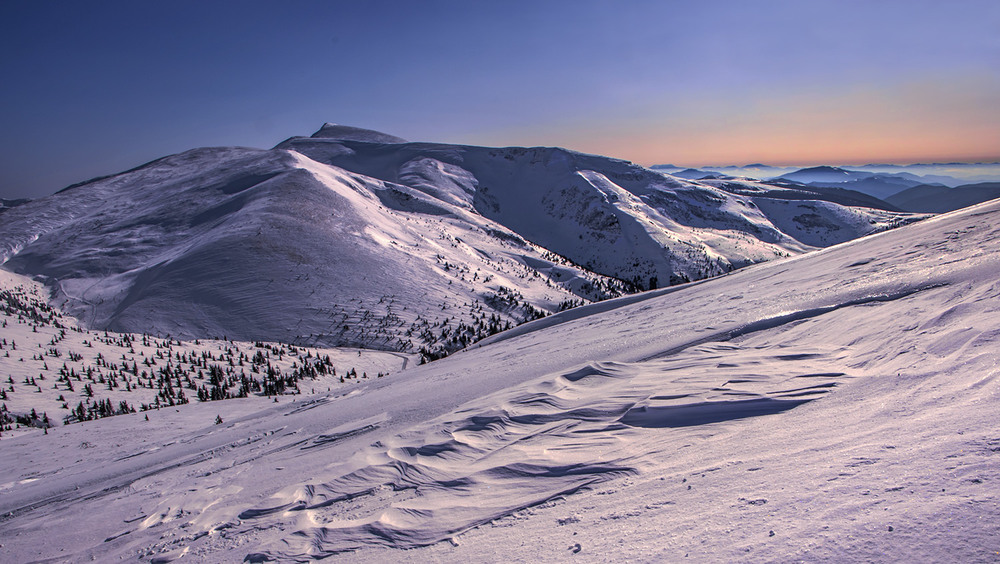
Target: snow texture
835,406
357,238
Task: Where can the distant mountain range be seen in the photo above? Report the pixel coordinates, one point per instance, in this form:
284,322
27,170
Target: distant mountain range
879,185
940,199
889,184
355,237
949,174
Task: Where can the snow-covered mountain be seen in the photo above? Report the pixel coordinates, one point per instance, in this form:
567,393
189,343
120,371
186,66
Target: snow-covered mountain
879,180
830,174
875,180
358,238
836,406
613,217
948,174
878,184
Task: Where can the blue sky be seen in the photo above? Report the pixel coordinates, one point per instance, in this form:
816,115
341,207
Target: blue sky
92,88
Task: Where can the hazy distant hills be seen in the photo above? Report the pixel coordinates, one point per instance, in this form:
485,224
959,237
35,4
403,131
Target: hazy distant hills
940,199
785,189
879,185
695,174
829,174
355,237
903,190
929,188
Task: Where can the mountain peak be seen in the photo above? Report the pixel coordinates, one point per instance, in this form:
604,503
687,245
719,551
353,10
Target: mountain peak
348,133
824,174
824,169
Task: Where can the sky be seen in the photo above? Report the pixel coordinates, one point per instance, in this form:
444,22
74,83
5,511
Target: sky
93,88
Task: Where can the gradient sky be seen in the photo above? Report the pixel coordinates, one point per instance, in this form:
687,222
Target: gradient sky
92,88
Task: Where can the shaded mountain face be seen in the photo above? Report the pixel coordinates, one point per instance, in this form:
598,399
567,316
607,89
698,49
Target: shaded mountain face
6,204
879,185
788,190
823,174
940,199
354,237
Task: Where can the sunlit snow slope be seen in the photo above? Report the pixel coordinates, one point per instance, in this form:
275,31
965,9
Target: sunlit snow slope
610,215
358,238
838,406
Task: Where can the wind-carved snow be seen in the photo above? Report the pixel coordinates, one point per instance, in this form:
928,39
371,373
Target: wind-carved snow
546,439
540,441
831,384
836,405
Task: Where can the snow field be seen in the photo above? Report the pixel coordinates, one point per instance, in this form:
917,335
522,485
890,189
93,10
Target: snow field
53,367
648,428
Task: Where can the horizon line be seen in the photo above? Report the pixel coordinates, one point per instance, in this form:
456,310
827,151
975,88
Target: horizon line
986,161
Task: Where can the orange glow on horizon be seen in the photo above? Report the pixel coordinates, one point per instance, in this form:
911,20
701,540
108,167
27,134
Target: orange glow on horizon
947,119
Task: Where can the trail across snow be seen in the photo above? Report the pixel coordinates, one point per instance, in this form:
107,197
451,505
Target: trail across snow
836,406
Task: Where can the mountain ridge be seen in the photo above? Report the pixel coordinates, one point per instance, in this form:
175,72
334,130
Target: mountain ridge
617,429
392,245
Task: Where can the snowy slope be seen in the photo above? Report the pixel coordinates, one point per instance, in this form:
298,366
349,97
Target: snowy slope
270,245
836,406
357,238
55,372
609,215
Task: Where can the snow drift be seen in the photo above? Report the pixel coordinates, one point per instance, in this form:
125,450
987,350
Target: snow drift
839,405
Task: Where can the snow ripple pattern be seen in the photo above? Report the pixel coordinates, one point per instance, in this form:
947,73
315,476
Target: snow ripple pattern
523,447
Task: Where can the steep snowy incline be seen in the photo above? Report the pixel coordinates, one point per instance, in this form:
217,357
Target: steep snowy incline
839,405
357,238
271,245
609,215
